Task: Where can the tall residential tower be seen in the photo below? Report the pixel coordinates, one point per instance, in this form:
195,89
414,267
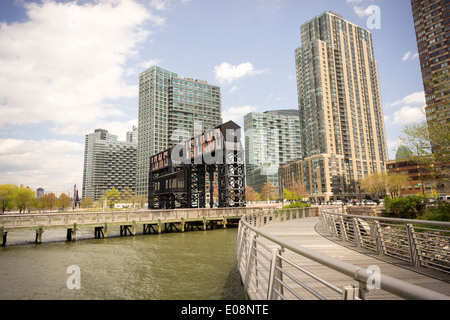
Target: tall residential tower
432,25
108,164
341,118
171,110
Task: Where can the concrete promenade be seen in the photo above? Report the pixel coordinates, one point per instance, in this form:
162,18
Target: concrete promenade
307,233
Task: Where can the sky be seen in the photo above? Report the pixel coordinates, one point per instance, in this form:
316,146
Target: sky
70,67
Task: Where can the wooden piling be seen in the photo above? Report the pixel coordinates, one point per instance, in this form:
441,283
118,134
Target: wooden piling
74,232
105,230
133,228
39,232
3,235
159,226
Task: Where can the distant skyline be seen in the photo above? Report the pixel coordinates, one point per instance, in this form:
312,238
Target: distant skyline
69,67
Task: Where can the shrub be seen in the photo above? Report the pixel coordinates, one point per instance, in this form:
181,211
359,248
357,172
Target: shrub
296,205
439,213
409,207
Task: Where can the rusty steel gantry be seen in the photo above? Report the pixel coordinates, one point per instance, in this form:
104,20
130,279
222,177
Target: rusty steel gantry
178,176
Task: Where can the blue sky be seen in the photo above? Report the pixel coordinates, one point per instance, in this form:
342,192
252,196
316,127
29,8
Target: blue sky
69,67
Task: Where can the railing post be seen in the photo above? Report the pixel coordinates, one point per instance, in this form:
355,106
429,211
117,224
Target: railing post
353,293
378,238
356,232
240,242
250,259
275,272
342,229
334,226
413,252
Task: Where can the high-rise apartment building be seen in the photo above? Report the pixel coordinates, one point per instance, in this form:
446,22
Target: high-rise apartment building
342,130
108,164
171,110
271,139
432,25
132,136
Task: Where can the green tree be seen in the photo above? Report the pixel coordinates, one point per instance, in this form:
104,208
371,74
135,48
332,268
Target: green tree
127,195
87,202
112,197
251,194
48,201
395,182
428,146
298,191
8,195
24,198
140,200
375,184
64,201
269,191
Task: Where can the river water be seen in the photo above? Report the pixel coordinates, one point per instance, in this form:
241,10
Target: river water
195,265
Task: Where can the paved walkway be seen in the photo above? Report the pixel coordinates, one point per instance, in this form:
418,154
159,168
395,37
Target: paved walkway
306,232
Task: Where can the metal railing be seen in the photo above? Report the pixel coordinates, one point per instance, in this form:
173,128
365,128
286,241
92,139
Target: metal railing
272,268
419,242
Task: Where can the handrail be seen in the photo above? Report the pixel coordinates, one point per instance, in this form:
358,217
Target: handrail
69,218
420,242
412,221
255,245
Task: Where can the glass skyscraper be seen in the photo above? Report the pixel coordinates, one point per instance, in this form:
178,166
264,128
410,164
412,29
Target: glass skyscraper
171,110
271,139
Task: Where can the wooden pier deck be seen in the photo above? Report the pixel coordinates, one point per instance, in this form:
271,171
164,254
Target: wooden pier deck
307,233
151,221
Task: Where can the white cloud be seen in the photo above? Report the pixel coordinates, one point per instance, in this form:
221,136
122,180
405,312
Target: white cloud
407,109
408,114
160,4
406,56
66,63
415,98
362,8
234,88
226,72
410,56
362,12
236,114
55,165
272,6
134,71
392,147
118,128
